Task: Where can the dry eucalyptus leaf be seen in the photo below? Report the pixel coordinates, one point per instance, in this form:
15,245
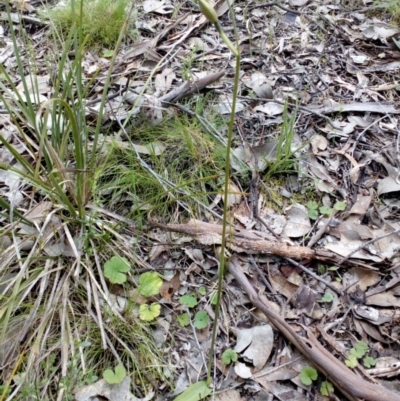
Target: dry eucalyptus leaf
156,6
387,185
255,344
163,81
298,222
298,3
242,370
112,392
270,108
318,142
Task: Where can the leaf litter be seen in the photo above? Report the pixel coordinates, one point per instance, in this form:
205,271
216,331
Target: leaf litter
346,106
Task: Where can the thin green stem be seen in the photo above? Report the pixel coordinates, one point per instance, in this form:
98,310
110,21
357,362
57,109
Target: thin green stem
225,215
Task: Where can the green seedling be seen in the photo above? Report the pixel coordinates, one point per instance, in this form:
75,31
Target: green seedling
183,319
229,356
308,375
115,270
202,291
351,361
328,297
188,300
149,312
116,376
201,320
368,362
357,353
149,284
314,210
326,388
359,350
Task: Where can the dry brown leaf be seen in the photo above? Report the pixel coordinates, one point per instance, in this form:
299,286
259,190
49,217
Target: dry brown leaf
255,344
168,288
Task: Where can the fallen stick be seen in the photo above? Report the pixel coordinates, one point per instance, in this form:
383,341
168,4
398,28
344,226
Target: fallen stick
343,378
247,241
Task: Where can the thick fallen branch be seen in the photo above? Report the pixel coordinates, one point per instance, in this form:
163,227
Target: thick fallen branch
343,378
247,241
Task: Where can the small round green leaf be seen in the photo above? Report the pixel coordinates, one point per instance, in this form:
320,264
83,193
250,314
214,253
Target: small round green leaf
188,300
114,377
313,214
328,297
326,388
149,312
312,205
115,268
340,206
229,356
351,361
325,210
368,361
201,320
359,350
183,319
307,375
202,290
149,284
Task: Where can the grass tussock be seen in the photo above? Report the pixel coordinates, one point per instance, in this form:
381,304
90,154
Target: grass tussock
99,20
186,171
390,6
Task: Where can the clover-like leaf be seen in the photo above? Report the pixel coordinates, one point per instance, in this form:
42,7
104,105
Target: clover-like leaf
228,356
149,312
115,270
328,297
201,320
307,375
114,377
188,300
312,205
149,284
368,361
325,210
202,290
326,388
340,206
183,319
313,214
359,350
351,361
312,210
362,347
